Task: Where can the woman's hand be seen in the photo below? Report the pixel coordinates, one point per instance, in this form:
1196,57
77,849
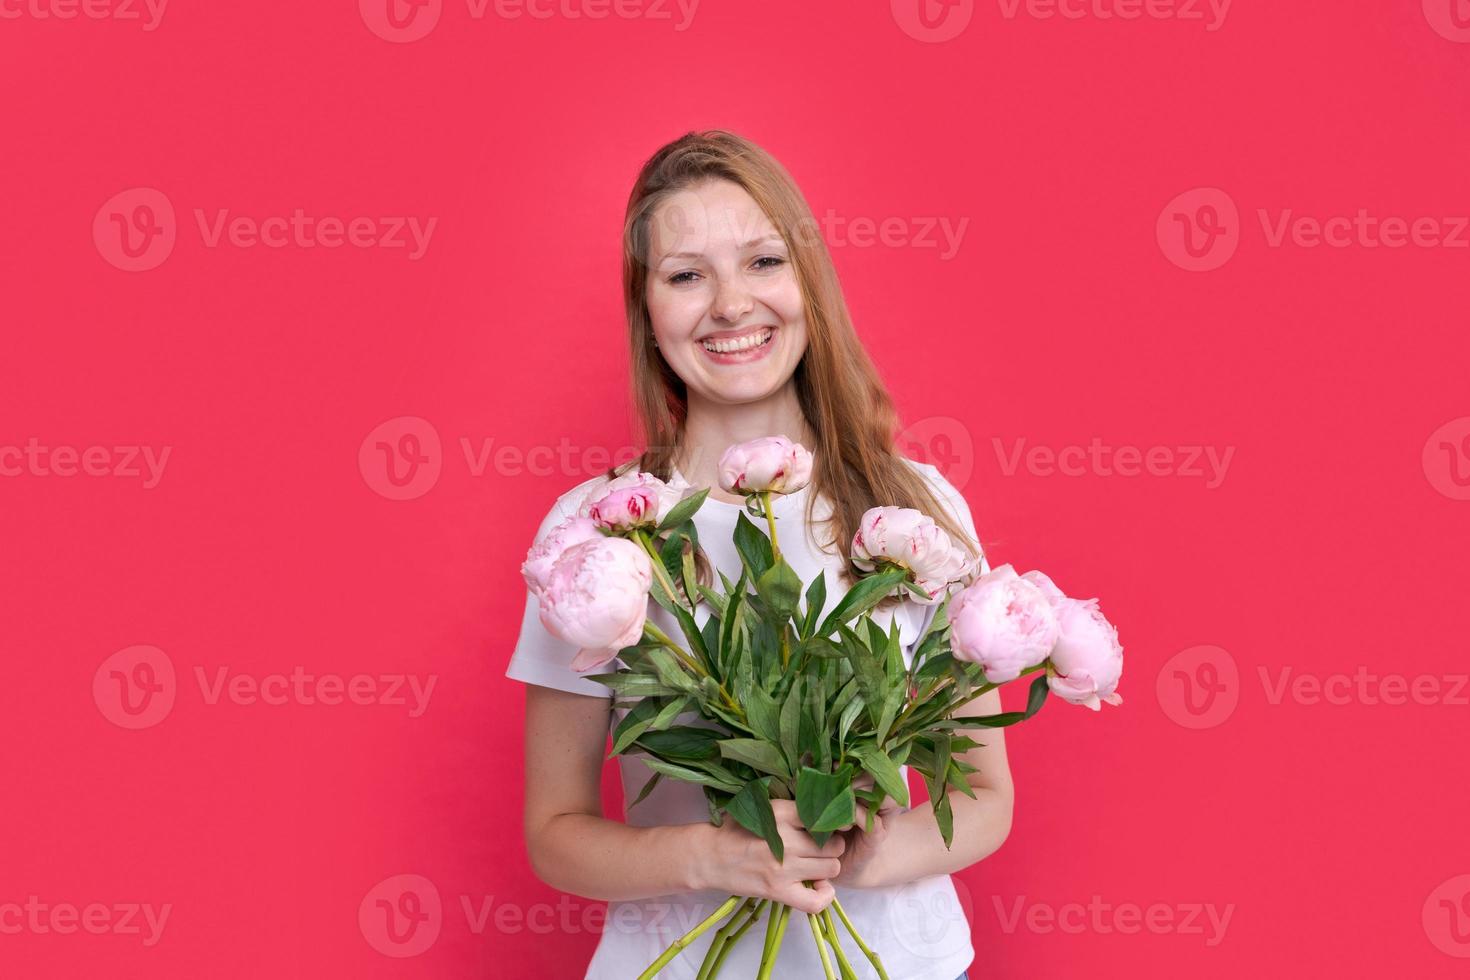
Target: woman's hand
741,863
862,845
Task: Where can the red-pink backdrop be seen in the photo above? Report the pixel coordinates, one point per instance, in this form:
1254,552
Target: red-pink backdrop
310,310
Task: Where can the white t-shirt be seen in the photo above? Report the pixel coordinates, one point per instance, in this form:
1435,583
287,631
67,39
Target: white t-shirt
919,929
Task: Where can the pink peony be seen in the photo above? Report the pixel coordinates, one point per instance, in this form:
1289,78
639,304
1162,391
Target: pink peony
597,598
1003,623
631,500
1088,660
536,569
907,537
772,463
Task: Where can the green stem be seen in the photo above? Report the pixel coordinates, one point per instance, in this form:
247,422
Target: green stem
652,630
685,940
830,928
706,969
774,935
735,938
771,523
872,956
812,920
659,571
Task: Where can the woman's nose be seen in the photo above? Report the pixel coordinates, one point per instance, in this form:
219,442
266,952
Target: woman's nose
732,300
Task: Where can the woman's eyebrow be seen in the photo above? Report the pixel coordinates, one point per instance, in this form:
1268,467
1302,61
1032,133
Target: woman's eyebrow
773,239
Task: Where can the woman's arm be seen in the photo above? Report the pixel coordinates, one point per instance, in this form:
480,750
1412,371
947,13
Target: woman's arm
912,847
572,847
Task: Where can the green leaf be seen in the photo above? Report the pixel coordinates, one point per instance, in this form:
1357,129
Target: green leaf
634,723
780,587
692,634
672,672
944,816
824,801
866,594
763,714
685,743
816,598
1035,698
689,775
791,724
849,715
683,510
885,773
757,753
958,781
730,624
630,684
753,545
820,646
647,788
751,808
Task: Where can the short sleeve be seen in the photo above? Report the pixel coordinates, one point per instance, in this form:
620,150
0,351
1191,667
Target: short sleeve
959,510
540,657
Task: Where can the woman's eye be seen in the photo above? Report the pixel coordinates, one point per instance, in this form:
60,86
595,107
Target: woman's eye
774,260
680,279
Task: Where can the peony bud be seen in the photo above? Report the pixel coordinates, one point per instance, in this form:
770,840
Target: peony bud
772,463
631,500
907,537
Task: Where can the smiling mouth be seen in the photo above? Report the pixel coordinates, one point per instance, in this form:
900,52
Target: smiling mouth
751,341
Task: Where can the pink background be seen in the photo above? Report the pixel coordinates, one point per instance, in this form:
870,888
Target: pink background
1075,150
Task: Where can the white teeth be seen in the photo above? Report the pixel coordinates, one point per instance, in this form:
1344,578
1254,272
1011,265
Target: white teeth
735,346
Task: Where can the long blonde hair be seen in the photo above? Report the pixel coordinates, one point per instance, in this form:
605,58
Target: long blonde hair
855,465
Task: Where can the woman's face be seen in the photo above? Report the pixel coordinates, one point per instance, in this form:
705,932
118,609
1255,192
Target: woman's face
722,294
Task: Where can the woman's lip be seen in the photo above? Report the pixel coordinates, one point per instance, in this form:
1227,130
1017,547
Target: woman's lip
737,336
741,356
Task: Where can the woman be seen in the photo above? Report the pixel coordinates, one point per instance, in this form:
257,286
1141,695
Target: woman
739,330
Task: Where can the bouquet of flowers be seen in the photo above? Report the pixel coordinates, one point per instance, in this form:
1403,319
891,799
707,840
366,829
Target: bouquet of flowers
818,709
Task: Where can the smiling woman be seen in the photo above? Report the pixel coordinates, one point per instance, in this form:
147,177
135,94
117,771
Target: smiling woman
739,331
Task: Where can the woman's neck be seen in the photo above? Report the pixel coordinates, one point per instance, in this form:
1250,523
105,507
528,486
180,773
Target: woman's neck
713,427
